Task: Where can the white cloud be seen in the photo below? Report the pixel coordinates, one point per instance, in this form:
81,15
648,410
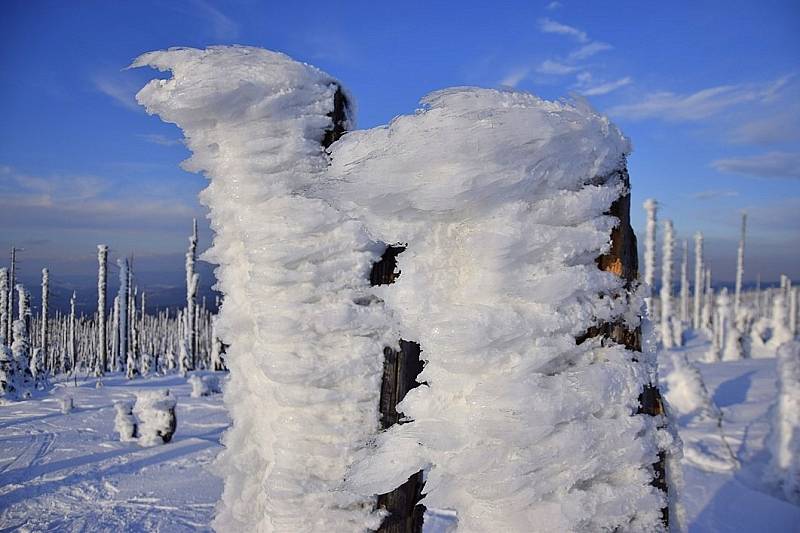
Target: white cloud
555,68
768,165
121,91
587,51
713,194
605,88
513,78
699,105
552,6
547,25
157,138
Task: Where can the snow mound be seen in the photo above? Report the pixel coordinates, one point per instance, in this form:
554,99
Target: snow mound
204,385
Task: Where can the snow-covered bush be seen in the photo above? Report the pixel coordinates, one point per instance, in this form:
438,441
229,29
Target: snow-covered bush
9,374
155,411
501,198
687,393
204,385
66,404
784,439
780,332
124,422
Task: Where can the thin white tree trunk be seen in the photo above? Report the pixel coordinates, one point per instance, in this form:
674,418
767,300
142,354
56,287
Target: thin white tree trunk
737,298
102,286
666,286
43,331
698,279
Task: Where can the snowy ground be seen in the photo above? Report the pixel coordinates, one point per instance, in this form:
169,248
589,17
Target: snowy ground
68,472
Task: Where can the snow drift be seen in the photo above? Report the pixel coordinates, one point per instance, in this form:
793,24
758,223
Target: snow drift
499,198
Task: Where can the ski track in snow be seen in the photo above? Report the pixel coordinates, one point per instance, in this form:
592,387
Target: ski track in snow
69,473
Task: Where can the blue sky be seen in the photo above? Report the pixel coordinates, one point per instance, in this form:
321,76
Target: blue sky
709,92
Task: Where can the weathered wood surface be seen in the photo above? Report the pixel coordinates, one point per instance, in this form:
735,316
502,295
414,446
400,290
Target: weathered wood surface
622,259
400,370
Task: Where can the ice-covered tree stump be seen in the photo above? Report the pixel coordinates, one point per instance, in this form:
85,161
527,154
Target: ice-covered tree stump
535,409
124,422
155,412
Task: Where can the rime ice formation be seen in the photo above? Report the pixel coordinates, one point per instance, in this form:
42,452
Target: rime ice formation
305,357
500,198
784,440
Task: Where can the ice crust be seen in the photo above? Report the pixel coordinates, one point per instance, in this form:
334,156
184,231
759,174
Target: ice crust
500,198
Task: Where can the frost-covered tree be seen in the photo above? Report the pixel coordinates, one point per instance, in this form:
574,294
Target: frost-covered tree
698,280
12,283
21,347
102,287
72,343
740,267
43,344
192,281
685,283
784,438
667,318
5,315
217,359
780,329
651,208
295,247
729,338
122,298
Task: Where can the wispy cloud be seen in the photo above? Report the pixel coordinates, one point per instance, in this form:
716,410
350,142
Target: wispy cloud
513,78
605,88
118,89
223,26
552,6
555,68
157,138
699,105
587,51
769,165
89,202
547,25
713,194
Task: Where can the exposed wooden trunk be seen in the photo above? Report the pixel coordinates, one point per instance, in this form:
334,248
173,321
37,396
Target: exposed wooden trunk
400,370
622,259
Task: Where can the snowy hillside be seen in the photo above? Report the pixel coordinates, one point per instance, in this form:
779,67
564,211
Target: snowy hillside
68,472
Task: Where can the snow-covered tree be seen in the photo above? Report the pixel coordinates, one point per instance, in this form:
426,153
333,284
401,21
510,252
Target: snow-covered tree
667,318
72,343
44,322
729,338
740,267
102,286
21,347
698,281
5,314
784,438
497,321
780,330
124,341
651,208
12,283
192,281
